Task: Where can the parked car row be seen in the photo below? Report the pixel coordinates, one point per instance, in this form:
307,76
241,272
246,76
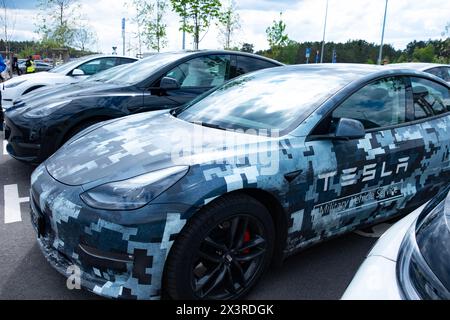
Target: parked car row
187,174
40,66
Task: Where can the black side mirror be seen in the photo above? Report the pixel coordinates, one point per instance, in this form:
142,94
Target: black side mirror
168,83
349,129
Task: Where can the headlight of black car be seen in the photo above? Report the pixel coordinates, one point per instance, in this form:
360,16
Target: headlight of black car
415,277
133,193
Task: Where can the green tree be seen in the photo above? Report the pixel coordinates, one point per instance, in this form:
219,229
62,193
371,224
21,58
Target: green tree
57,20
228,23
196,16
424,54
277,36
247,47
150,21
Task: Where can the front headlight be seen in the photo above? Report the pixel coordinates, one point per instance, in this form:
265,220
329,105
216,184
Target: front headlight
133,193
43,111
13,84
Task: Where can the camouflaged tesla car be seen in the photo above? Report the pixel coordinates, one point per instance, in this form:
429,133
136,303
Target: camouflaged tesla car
196,203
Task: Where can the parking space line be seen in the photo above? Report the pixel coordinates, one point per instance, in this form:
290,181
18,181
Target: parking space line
5,153
12,203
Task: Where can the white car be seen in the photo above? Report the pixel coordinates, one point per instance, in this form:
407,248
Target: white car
439,70
69,72
411,261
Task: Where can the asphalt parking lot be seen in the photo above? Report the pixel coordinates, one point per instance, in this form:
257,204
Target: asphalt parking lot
322,272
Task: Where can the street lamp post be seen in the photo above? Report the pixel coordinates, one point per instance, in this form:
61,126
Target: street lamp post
380,55
324,31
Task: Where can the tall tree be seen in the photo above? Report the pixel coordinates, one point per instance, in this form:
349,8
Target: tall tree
277,36
7,23
57,20
197,16
150,23
228,23
84,37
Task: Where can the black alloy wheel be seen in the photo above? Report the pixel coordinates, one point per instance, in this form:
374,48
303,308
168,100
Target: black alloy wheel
221,252
229,258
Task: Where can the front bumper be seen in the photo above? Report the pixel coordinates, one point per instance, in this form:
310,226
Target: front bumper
112,257
24,142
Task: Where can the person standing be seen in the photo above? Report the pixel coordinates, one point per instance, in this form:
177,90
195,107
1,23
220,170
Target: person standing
30,65
15,66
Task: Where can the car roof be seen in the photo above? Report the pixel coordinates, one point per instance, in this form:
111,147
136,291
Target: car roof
419,66
344,72
186,53
96,56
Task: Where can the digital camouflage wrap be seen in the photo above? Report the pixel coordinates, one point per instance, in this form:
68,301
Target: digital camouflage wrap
325,187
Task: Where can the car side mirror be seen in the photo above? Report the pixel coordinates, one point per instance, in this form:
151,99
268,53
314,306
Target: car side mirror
78,73
349,129
168,83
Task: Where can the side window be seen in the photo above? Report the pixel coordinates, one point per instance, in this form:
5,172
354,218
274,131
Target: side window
379,104
124,61
430,98
436,72
247,64
208,71
97,65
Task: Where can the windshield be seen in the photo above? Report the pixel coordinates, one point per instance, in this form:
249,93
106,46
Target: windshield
273,99
141,70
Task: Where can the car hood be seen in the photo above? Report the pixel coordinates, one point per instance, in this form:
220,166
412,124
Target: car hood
66,92
39,76
138,144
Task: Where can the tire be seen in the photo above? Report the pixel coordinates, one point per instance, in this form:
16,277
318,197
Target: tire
204,247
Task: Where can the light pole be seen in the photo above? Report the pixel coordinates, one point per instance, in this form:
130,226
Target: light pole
324,31
380,55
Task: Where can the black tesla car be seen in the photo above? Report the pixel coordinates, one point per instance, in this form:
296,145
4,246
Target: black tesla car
39,124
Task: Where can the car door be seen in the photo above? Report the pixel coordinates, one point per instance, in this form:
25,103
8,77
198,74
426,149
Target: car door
358,180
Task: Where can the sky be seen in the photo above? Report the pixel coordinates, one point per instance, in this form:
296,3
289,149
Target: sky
407,20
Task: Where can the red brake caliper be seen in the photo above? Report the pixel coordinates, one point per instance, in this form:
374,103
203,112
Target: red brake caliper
246,239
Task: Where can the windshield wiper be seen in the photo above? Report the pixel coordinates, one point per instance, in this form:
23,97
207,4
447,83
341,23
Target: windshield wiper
210,125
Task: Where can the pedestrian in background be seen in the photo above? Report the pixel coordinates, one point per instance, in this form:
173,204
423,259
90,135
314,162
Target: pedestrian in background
30,65
15,66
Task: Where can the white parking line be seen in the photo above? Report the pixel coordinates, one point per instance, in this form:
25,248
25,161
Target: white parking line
5,153
12,203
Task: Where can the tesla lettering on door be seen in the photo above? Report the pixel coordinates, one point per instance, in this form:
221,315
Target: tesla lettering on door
369,173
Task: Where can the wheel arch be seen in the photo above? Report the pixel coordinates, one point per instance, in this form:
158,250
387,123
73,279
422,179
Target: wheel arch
77,124
278,215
